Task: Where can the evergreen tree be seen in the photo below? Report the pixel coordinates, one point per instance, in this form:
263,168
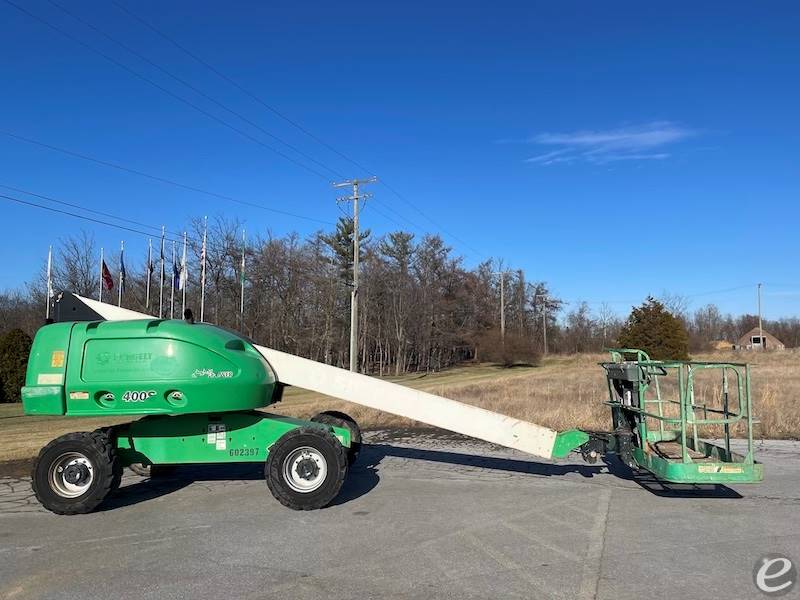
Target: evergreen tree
340,243
15,346
652,328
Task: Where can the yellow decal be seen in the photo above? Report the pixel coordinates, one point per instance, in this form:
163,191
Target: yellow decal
57,359
707,469
727,469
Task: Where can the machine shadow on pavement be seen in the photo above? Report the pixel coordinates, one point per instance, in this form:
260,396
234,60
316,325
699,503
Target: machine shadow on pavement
374,453
663,489
364,475
143,489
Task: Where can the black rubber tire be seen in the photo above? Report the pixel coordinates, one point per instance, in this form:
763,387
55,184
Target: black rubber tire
99,450
152,471
111,435
340,419
140,469
328,447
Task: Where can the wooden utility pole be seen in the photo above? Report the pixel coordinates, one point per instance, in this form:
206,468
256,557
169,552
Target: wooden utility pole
355,198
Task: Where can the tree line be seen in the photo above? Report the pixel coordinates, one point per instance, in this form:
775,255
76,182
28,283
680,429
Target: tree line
420,307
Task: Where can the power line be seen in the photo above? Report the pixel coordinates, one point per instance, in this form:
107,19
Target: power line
219,120
687,296
193,88
380,212
724,291
419,210
78,216
178,236
171,182
89,210
299,127
238,86
165,90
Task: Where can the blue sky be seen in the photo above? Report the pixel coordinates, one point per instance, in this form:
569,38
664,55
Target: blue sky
612,149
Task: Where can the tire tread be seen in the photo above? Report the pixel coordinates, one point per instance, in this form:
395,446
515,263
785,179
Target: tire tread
99,441
274,475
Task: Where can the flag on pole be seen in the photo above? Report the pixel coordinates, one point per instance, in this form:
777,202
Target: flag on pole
177,269
102,266
177,276
161,254
150,266
108,279
172,282
49,281
244,252
161,279
121,273
242,280
203,272
184,276
149,271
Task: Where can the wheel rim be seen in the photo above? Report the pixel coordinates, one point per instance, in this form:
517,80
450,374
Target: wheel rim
71,475
305,469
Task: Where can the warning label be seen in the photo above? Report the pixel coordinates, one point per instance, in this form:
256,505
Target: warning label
217,435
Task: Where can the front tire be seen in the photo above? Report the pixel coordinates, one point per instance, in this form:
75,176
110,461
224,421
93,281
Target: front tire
306,468
74,473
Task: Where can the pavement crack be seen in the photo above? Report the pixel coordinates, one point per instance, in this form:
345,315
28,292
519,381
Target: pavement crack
592,565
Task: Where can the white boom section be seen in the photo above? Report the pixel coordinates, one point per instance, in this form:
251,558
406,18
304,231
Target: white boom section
389,397
413,404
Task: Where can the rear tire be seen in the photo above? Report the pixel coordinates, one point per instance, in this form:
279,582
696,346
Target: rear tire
306,468
340,419
74,473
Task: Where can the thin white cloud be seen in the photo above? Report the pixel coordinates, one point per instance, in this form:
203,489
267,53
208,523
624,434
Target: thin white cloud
546,157
640,142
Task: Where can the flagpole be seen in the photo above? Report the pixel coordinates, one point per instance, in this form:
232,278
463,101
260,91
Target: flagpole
172,285
100,296
184,277
49,281
161,284
121,269
203,272
149,271
241,303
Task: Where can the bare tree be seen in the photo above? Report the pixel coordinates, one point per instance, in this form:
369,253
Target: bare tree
76,265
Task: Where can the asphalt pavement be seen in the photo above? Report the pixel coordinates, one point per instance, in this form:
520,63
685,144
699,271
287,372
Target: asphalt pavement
422,515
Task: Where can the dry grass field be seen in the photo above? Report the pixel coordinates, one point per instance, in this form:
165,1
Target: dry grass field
564,392
569,391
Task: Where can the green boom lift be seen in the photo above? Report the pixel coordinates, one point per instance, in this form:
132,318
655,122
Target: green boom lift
196,390
197,400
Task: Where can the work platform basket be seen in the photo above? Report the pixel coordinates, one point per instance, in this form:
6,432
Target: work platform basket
668,406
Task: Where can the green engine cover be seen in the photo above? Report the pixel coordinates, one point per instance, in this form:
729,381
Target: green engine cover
144,367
